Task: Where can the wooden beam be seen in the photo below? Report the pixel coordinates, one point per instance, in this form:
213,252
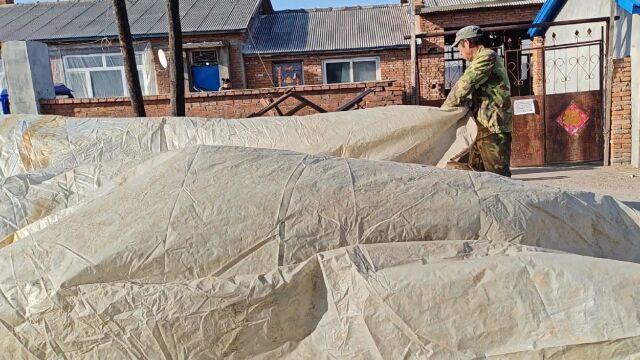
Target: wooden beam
355,100
129,58
309,103
176,67
277,102
296,109
267,102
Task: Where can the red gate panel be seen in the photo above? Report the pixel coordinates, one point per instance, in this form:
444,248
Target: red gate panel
587,143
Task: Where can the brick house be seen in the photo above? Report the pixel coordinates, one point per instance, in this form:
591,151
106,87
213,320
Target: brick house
311,43
439,65
85,53
329,46
253,45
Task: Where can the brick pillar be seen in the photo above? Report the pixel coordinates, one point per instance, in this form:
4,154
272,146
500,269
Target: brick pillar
431,67
28,73
635,91
6,2
537,66
621,112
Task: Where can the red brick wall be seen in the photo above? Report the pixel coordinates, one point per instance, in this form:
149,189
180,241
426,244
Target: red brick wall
431,60
395,64
621,112
232,104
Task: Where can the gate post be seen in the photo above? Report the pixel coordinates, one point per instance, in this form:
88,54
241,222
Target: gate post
537,66
28,73
635,91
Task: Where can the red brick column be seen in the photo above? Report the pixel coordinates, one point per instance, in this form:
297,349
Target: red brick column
621,112
431,67
537,66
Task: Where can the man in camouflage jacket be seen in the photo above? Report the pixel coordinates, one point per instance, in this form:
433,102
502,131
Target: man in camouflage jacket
486,83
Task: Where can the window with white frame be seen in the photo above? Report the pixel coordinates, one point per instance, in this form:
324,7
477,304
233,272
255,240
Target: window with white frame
351,70
100,75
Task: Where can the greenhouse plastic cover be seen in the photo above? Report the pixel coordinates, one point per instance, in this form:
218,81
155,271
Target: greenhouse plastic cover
148,247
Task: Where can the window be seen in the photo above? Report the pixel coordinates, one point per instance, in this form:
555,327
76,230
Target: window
100,75
288,74
351,70
454,67
204,58
205,72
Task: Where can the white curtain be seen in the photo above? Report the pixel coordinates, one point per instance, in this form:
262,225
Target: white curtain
339,72
149,66
365,70
77,82
99,72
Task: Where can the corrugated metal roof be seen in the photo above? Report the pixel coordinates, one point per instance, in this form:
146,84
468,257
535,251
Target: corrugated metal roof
630,6
453,5
68,20
551,8
331,29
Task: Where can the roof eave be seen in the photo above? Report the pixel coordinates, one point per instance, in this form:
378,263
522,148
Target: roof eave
308,52
135,37
499,4
548,12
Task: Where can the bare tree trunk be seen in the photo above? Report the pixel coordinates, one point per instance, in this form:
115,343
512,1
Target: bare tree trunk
176,67
129,58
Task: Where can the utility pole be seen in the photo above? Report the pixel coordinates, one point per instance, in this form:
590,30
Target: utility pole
129,58
176,65
414,58
609,82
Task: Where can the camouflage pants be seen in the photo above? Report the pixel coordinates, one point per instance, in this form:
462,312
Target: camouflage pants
492,153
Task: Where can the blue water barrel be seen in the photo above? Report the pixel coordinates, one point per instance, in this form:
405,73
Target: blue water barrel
4,102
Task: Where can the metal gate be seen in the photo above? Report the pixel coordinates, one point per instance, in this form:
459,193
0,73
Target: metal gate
563,76
566,83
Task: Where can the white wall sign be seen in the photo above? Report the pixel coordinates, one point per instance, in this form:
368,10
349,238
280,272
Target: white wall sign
524,107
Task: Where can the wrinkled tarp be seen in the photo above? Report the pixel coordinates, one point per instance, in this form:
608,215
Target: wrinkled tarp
51,163
412,134
236,252
229,252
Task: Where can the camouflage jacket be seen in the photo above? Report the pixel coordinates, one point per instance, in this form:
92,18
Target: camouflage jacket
487,82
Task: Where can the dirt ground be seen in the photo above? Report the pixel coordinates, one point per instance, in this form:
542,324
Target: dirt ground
621,182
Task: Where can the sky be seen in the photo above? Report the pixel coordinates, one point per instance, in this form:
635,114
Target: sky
305,4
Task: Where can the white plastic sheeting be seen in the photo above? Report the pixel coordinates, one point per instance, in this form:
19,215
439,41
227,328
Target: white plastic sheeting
236,252
52,163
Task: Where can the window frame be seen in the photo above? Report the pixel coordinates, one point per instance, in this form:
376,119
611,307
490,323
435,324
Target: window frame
87,71
351,61
190,64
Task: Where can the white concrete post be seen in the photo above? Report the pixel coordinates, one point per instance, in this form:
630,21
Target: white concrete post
28,74
635,91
